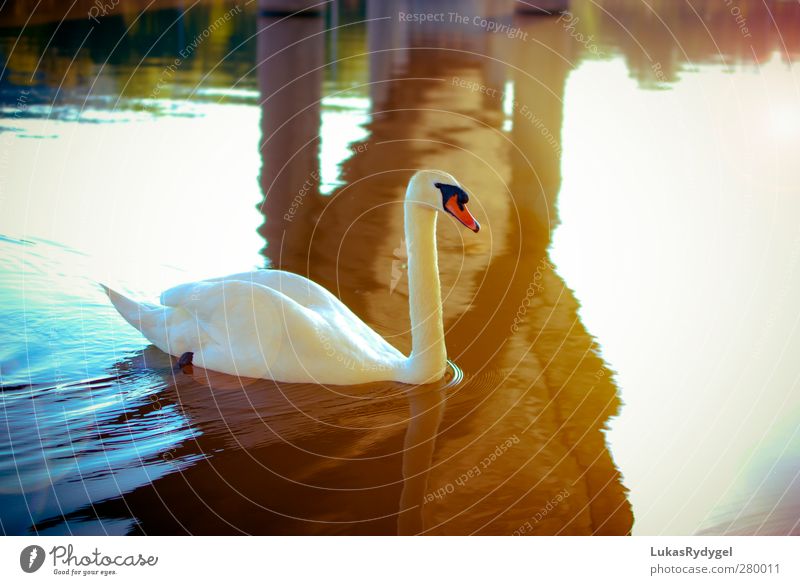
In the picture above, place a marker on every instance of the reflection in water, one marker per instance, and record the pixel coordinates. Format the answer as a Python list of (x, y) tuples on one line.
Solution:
[(425, 414), (679, 236), (513, 440), (290, 68)]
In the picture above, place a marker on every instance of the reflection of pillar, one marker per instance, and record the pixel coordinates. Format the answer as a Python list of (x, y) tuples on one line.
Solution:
[(290, 53), (543, 61), (387, 43)]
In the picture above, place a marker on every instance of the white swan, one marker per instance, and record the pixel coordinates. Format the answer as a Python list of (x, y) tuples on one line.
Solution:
[(281, 326)]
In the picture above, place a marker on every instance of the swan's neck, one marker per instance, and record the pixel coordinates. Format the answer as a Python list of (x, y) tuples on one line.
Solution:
[(428, 358)]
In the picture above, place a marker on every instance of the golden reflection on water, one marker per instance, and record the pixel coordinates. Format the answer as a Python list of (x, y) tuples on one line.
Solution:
[(541, 132), (679, 236)]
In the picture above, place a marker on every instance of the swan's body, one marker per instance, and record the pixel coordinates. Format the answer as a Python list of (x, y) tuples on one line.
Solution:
[(279, 325), (265, 324)]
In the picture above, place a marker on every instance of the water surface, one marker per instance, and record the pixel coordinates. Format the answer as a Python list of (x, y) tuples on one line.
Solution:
[(638, 200)]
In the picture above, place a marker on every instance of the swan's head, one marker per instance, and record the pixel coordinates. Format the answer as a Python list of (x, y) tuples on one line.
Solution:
[(441, 192)]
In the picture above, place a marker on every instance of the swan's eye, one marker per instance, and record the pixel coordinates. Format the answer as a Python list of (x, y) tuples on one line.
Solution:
[(450, 191)]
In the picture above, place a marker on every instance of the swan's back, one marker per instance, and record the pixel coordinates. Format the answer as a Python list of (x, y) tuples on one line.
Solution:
[(264, 324)]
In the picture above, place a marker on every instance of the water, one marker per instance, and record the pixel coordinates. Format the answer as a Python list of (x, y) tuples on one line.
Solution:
[(621, 332)]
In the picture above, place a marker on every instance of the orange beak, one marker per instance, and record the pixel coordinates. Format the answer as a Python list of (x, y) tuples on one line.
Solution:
[(462, 214)]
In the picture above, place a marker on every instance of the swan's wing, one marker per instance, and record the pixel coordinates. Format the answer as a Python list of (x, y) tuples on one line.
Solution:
[(307, 294), (300, 289), (338, 315), (241, 327)]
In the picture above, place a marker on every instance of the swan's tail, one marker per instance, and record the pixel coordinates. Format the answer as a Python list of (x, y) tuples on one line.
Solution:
[(148, 318)]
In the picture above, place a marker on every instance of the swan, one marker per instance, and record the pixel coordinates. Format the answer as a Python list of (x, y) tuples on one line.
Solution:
[(282, 326)]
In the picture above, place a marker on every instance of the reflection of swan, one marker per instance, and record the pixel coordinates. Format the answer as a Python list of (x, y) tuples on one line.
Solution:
[(425, 414), (278, 325)]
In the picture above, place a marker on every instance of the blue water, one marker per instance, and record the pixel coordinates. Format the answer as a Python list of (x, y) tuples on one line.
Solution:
[(79, 421)]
